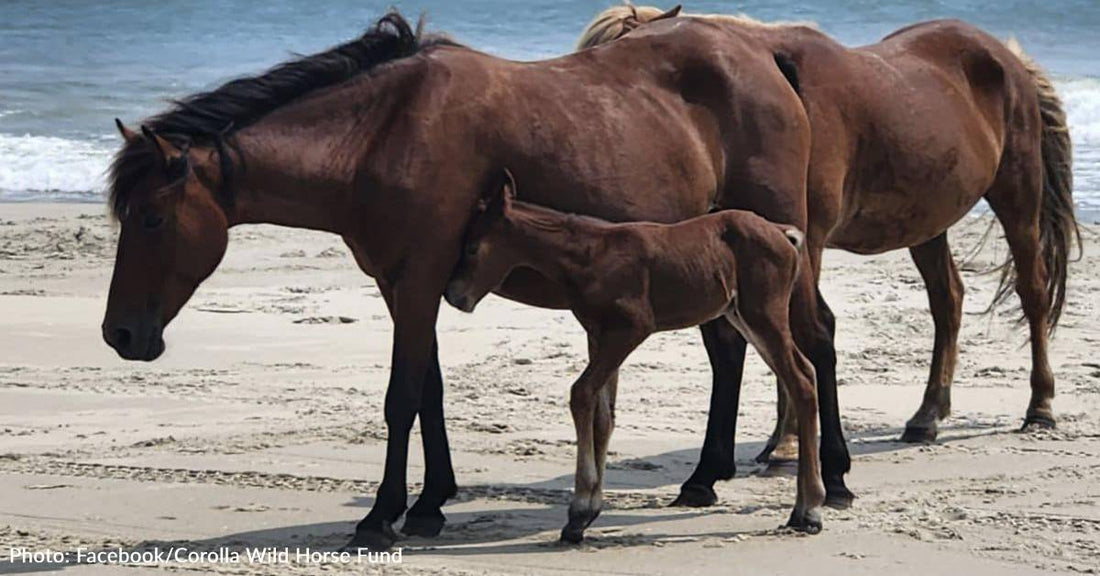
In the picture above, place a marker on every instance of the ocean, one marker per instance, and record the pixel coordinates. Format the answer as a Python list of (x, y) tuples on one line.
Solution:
[(69, 67)]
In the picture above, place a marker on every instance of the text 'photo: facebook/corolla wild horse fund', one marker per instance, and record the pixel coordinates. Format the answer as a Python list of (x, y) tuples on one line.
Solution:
[(483, 287)]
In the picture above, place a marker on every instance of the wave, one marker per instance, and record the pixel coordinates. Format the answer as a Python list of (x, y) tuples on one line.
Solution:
[(1081, 97), (47, 166)]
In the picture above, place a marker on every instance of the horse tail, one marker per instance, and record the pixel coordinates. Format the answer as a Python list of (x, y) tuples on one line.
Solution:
[(615, 22), (1058, 228)]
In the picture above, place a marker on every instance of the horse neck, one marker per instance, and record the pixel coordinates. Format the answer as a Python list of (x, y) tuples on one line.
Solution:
[(297, 167), (555, 244)]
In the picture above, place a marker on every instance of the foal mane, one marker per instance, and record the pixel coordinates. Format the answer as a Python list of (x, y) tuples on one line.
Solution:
[(211, 118)]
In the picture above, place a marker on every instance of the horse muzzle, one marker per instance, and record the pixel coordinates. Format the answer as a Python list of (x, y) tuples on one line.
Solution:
[(135, 341), (456, 296)]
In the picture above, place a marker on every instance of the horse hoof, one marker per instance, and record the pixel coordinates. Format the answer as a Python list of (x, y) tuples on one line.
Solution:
[(374, 540), (919, 435), (695, 496), (808, 522), (1037, 421), (572, 535), (579, 520), (427, 526), (781, 468), (839, 498)]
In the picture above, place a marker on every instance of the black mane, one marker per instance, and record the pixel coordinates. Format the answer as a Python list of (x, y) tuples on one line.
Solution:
[(209, 118)]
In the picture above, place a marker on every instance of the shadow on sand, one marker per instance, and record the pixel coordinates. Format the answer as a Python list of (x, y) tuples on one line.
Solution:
[(498, 531)]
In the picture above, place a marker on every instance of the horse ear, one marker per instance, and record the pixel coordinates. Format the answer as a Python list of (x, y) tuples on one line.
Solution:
[(674, 12), (127, 134), (169, 152)]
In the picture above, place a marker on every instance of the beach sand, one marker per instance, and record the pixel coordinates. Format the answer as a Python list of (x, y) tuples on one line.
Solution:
[(262, 424)]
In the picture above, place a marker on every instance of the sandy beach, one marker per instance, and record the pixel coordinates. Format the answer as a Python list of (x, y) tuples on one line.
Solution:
[(262, 424)]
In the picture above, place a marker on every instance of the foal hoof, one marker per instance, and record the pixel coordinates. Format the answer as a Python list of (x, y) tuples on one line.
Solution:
[(695, 496), (919, 435), (374, 540), (426, 526), (1038, 421), (573, 533), (808, 521)]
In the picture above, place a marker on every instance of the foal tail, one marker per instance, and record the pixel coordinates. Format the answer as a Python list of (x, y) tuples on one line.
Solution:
[(1058, 229)]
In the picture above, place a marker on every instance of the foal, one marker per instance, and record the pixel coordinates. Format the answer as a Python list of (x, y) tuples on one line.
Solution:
[(627, 281)]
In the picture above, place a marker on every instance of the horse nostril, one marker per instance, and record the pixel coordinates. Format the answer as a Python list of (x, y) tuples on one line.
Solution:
[(120, 338)]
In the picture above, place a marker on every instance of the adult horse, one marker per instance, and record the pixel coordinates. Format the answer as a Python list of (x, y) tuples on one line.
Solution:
[(907, 135), (391, 139)]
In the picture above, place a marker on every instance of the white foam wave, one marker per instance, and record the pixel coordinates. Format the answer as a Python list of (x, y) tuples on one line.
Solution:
[(1081, 97), (46, 164)]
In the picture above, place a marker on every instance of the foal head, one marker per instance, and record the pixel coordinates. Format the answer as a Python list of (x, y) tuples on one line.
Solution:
[(488, 255), (174, 234)]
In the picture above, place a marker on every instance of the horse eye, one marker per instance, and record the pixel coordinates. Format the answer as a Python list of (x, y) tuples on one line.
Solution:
[(471, 249), (152, 221)]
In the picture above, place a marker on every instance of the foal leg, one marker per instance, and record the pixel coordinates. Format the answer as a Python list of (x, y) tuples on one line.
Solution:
[(1018, 212), (814, 329), (726, 350), (945, 298), (602, 426), (610, 351), (767, 325)]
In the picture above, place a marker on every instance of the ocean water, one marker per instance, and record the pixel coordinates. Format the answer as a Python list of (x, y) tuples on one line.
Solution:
[(69, 67)]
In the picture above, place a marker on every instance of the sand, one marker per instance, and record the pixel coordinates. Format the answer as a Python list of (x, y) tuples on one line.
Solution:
[(262, 425)]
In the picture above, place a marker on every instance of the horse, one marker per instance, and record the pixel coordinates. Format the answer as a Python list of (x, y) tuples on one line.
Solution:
[(627, 281), (907, 135), (389, 141)]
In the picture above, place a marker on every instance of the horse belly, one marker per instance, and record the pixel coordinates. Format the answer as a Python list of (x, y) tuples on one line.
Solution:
[(913, 191)]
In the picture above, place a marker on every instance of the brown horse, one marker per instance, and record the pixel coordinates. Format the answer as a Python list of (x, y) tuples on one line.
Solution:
[(624, 282), (389, 141), (907, 135)]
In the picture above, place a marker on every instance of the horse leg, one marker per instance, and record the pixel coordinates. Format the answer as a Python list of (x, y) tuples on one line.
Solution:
[(609, 352), (414, 311), (726, 350), (814, 329), (1018, 209), (767, 324), (782, 447), (603, 426), (945, 298), (425, 518)]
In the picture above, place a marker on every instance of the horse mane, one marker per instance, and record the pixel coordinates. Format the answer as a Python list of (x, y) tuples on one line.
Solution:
[(211, 118), (617, 21)]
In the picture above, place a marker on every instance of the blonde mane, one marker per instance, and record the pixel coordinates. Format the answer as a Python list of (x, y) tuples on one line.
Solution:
[(617, 21)]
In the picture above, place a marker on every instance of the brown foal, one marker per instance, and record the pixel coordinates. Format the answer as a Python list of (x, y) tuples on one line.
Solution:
[(627, 281)]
